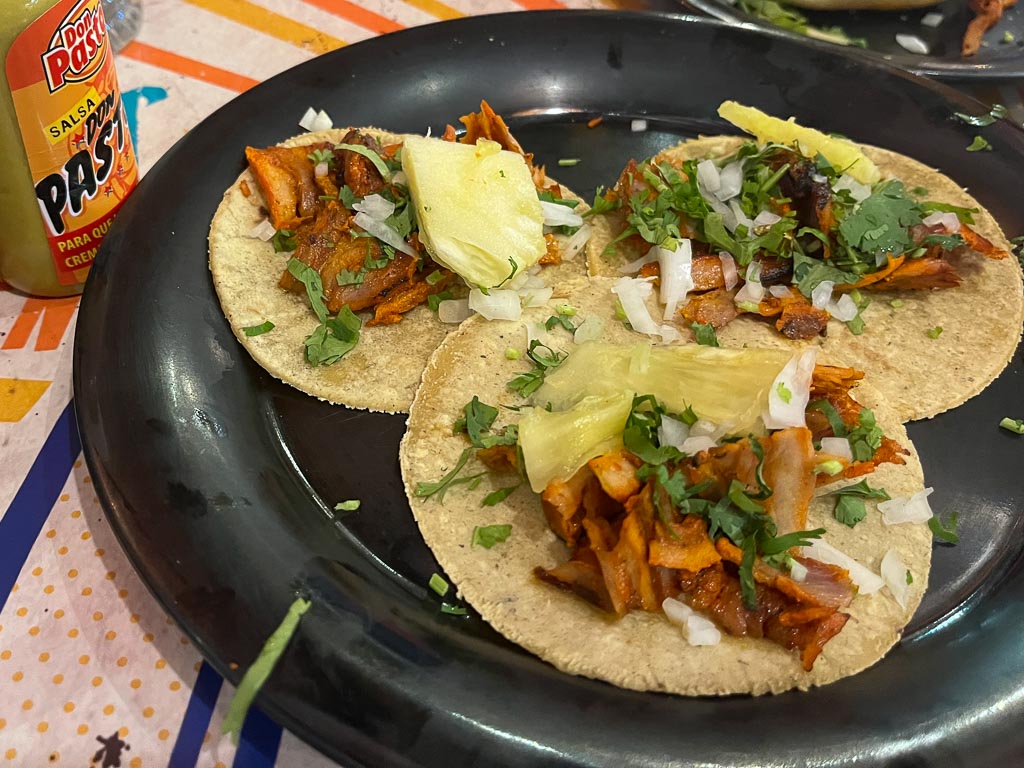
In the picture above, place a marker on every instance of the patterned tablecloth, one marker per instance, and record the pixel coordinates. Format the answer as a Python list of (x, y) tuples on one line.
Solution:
[(92, 672)]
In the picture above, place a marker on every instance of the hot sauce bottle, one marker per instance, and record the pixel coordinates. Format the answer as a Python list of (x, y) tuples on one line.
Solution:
[(66, 158)]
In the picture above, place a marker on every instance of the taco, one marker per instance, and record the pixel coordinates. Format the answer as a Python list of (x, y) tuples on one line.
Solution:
[(320, 257), (801, 239), (561, 562)]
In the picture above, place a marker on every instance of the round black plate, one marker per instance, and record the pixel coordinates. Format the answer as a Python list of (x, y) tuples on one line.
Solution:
[(220, 482), (996, 60)]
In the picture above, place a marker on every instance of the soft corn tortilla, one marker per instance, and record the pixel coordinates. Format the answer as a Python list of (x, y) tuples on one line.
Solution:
[(918, 376), (642, 651), (381, 373)]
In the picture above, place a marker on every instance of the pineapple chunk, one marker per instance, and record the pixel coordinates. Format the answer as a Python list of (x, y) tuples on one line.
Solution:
[(476, 206), (843, 154)]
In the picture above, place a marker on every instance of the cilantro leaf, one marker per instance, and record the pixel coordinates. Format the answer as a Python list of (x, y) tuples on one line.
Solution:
[(258, 330), (445, 484), (348, 197), (434, 300), (487, 536), (705, 333), (284, 241), (834, 419), (850, 510), (866, 437), (348, 277), (863, 490), (561, 320), (334, 338), (941, 531), (934, 333), (529, 382), (879, 225), (979, 144), (310, 278), (602, 204), (476, 420)]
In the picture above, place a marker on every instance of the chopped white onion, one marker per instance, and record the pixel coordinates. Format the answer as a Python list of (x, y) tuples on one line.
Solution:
[(729, 271), (858, 191), (453, 310), (795, 378), (556, 215), (636, 126), (797, 571), (728, 217), (632, 293), (316, 121), (320, 170), (669, 333), (384, 233), (575, 243), (821, 295), (947, 219), (375, 206), (914, 509), (740, 217), (591, 329), (843, 309), (752, 289), (766, 219), (894, 572), (731, 181), (534, 297), (496, 305), (676, 275), (676, 612), (867, 581), (780, 291), (307, 119), (672, 432), (263, 231), (699, 630), (932, 20), (399, 177), (634, 266), (706, 428), (912, 43), (708, 176), (695, 444), (837, 446)]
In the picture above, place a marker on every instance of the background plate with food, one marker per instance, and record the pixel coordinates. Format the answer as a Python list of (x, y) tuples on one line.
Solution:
[(221, 482)]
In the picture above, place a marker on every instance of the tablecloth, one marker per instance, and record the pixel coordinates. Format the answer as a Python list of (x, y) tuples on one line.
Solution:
[(92, 672)]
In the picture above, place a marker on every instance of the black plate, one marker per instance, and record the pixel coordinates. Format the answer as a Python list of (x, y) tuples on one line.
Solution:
[(219, 481), (996, 60)]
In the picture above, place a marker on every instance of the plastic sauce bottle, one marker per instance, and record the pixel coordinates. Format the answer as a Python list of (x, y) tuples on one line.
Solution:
[(66, 158)]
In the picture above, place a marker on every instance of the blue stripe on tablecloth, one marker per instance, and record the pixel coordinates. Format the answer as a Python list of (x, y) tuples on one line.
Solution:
[(197, 718), (261, 737), (20, 525)]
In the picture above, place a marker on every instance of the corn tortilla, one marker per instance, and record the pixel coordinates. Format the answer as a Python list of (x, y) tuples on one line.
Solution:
[(642, 651), (381, 373), (919, 376)]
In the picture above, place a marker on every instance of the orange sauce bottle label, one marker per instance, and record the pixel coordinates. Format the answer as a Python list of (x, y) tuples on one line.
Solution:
[(61, 74)]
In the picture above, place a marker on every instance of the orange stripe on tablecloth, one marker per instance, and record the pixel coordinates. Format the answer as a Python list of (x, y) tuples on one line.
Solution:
[(358, 15), (541, 5), (269, 23), (434, 8), (53, 317), (197, 70)]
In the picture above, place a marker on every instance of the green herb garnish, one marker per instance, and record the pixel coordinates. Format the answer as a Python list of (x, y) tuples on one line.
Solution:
[(934, 333), (1013, 425), (997, 112), (284, 241), (347, 506), (487, 536), (705, 333), (944, 531), (369, 154), (979, 144), (257, 330)]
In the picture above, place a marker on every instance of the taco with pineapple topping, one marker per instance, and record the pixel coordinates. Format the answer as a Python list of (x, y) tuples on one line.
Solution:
[(341, 258), (798, 238), (680, 518)]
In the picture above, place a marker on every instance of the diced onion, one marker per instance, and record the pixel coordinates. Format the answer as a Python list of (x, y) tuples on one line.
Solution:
[(766, 219), (708, 176), (384, 233), (867, 581), (575, 243), (822, 294), (731, 181), (453, 310), (912, 43), (399, 177), (728, 217), (729, 271), (843, 309), (556, 215), (263, 231), (495, 305), (739, 216), (677, 612), (316, 121), (632, 293), (676, 273), (858, 191), (837, 446), (694, 445), (914, 509), (375, 206), (707, 428), (637, 126), (796, 378), (672, 432), (634, 266), (320, 170), (534, 297), (798, 571), (932, 20), (894, 572), (752, 289), (591, 329), (307, 119), (699, 630), (780, 291), (947, 219)]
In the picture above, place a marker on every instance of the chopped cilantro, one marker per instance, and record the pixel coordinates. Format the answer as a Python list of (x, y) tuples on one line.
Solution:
[(602, 204), (941, 531), (477, 419), (544, 358), (879, 225), (1013, 425), (435, 299), (348, 277), (310, 278), (705, 333), (640, 435), (369, 154), (445, 484), (496, 497), (334, 338), (934, 333), (318, 156), (347, 506), (834, 419), (487, 536), (997, 112), (348, 197), (783, 392), (850, 510), (257, 330), (561, 320), (979, 144), (866, 437), (511, 353), (284, 241), (910, 577), (966, 215), (547, 197), (438, 584)]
